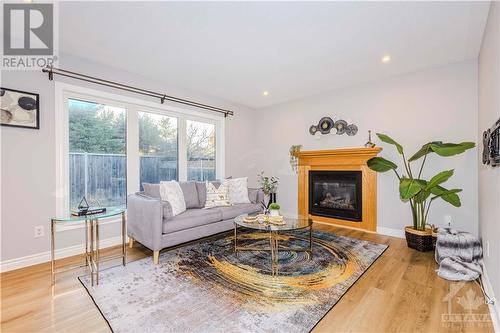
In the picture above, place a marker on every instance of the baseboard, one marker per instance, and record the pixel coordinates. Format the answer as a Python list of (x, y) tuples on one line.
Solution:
[(39, 258), (495, 307), (391, 232)]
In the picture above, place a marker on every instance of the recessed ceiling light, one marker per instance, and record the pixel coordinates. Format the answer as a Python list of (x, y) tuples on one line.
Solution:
[(265, 93), (386, 59)]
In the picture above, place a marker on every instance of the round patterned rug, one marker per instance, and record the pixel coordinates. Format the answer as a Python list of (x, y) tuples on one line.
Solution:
[(205, 286)]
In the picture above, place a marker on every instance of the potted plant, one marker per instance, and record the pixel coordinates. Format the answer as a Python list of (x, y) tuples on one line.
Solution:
[(269, 186), (418, 192), (274, 209)]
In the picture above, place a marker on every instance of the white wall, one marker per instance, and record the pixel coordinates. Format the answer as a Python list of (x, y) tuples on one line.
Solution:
[(436, 104), (28, 157), (27, 171), (489, 178)]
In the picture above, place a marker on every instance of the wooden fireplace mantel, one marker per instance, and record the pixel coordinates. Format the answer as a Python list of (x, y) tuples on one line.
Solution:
[(344, 159)]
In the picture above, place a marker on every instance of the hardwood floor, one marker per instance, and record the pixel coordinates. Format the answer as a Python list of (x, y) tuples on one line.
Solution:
[(399, 293)]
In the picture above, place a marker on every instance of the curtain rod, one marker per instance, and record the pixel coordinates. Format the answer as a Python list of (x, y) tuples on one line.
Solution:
[(163, 97)]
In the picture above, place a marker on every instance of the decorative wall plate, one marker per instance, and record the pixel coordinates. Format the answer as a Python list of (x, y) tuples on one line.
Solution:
[(351, 130), (341, 126), (325, 125), (313, 129)]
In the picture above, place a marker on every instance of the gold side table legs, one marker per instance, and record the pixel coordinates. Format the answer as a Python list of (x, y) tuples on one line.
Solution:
[(96, 251), (273, 238), (273, 247), (92, 245), (124, 236)]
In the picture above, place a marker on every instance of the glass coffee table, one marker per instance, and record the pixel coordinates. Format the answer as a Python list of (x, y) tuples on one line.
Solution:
[(274, 230)]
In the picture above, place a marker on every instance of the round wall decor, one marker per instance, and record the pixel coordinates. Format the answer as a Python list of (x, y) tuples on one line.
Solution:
[(327, 125)]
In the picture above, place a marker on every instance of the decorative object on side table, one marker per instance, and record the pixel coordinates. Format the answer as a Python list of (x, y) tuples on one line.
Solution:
[(294, 161), (274, 209), (418, 192), (369, 144), (269, 186), (326, 125), (19, 109), (85, 209), (491, 145)]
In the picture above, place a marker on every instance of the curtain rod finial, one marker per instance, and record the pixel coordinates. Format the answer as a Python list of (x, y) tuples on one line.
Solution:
[(48, 69)]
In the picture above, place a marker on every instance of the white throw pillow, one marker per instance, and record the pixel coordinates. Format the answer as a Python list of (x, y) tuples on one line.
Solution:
[(238, 190), (217, 197), (171, 191)]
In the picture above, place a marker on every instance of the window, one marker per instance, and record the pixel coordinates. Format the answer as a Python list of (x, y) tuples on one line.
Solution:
[(200, 150), (157, 148), (97, 153), (108, 145)]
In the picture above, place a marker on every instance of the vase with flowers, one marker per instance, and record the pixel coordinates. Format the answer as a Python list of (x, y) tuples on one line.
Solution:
[(269, 186)]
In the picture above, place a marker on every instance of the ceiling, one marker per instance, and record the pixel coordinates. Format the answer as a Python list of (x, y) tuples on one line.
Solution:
[(237, 50)]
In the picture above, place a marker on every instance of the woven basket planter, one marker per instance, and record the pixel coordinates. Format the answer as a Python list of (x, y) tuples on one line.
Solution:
[(420, 240)]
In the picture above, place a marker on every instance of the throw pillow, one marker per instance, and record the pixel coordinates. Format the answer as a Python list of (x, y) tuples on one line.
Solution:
[(201, 187), (217, 197), (151, 190), (190, 194), (238, 190), (252, 194), (171, 191)]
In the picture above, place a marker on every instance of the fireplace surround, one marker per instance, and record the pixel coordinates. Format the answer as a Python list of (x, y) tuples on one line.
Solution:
[(337, 187)]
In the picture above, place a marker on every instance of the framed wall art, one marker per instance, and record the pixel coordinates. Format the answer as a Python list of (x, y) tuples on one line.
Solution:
[(19, 108)]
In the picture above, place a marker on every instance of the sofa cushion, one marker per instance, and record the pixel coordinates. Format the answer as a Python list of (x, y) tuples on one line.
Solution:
[(233, 211), (201, 187), (167, 210), (190, 219), (190, 194), (151, 190)]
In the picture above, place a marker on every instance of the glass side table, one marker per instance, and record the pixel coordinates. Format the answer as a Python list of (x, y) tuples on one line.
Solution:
[(92, 258)]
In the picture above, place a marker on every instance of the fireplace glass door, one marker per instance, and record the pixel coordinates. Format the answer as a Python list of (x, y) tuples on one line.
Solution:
[(336, 194)]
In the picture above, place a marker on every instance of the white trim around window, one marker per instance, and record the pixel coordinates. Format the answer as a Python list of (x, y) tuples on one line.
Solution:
[(64, 91)]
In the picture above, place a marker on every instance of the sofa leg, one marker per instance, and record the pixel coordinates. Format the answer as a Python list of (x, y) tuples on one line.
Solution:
[(130, 242), (156, 257)]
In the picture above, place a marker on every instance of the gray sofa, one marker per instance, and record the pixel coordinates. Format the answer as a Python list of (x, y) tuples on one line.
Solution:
[(150, 220)]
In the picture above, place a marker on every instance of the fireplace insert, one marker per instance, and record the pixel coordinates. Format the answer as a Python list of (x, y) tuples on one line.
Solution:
[(336, 194)]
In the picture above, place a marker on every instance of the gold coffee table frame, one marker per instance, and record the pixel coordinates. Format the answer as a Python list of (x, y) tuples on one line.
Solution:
[(92, 257), (274, 230)]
